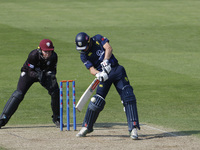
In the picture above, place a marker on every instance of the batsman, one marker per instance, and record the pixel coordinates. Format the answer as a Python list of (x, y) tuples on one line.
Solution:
[(96, 54), (40, 66)]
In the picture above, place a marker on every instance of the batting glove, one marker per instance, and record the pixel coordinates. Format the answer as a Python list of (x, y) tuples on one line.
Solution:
[(102, 76), (106, 66)]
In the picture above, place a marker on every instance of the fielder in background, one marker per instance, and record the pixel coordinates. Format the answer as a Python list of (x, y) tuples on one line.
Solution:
[(40, 66), (96, 54)]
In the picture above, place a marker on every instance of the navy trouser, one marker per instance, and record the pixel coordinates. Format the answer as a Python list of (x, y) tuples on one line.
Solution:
[(120, 80), (118, 77)]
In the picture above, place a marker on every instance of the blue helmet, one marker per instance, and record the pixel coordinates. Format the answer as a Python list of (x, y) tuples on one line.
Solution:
[(82, 41)]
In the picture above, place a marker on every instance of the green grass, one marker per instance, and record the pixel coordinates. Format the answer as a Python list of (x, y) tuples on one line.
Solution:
[(157, 41), (2, 148)]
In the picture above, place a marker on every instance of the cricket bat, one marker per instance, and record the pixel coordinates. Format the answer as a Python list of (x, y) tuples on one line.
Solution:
[(87, 94)]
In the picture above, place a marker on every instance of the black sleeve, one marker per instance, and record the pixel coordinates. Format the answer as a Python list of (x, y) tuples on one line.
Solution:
[(53, 65), (31, 63)]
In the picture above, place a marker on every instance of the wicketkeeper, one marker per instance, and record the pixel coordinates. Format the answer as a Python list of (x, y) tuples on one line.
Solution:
[(96, 54), (40, 66)]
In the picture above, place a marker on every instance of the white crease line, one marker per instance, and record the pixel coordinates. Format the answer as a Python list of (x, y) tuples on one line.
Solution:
[(161, 130), (17, 136)]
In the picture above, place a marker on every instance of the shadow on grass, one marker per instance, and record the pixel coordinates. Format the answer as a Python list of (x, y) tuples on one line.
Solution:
[(27, 126)]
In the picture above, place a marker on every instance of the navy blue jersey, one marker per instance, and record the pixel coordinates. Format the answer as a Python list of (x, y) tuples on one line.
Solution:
[(96, 53)]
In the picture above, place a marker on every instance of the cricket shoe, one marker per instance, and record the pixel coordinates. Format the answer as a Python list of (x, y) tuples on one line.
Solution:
[(83, 132), (134, 134), (2, 123), (57, 123)]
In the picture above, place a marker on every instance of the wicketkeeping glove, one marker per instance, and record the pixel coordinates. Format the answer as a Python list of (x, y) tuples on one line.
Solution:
[(51, 74), (41, 77), (106, 66), (102, 76)]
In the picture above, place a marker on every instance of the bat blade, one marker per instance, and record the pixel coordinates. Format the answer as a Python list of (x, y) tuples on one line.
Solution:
[(87, 94)]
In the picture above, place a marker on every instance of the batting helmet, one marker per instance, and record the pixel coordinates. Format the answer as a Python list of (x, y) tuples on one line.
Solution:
[(46, 45), (82, 41)]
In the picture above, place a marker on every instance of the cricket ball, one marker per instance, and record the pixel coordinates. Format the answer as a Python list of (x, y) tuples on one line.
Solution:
[(93, 99)]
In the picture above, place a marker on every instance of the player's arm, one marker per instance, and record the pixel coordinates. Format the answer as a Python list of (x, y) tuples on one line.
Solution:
[(101, 76), (31, 63), (108, 51), (106, 66), (89, 65), (52, 69), (93, 71)]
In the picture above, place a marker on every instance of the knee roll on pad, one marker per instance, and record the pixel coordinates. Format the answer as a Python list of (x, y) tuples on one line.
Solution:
[(97, 103), (18, 95), (55, 105), (55, 93), (14, 101), (11, 106), (127, 94)]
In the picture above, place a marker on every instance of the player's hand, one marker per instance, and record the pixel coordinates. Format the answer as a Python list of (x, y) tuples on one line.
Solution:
[(106, 66), (102, 76), (51, 74), (41, 77)]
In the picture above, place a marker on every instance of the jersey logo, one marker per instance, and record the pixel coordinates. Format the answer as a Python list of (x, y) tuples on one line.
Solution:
[(99, 52), (31, 66), (97, 42), (48, 63), (23, 74), (103, 38), (48, 44), (126, 78), (90, 53), (79, 43)]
